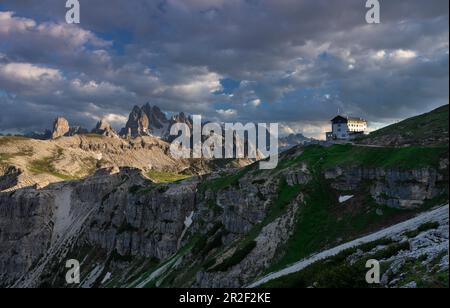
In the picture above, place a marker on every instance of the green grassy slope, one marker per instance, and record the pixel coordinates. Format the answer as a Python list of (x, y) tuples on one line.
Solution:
[(323, 158), (426, 129)]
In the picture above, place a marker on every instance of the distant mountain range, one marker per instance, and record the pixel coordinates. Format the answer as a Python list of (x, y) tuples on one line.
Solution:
[(146, 120), (292, 140)]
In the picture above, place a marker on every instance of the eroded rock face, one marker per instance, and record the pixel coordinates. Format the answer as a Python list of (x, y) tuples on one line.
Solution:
[(117, 220), (119, 214), (301, 176), (138, 123), (392, 187), (60, 128), (139, 224), (9, 176), (104, 128), (150, 120), (157, 119), (271, 238), (25, 232), (41, 228)]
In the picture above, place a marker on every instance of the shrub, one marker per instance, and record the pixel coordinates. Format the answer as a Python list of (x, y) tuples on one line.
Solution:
[(422, 228)]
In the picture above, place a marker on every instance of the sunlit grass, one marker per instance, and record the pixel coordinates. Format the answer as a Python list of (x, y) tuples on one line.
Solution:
[(165, 177)]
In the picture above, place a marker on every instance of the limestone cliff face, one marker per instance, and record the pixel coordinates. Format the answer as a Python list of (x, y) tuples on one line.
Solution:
[(393, 187), (219, 230), (9, 176), (141, 224), (123, 215), (25, 232), (60, 128)]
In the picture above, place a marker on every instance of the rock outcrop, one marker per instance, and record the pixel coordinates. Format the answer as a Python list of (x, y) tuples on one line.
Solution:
[(157, 120), (104, 128), (222, 230), (150, 120), (60, 128), (392, 187), (137, 125), (9, 176), (77, 130)]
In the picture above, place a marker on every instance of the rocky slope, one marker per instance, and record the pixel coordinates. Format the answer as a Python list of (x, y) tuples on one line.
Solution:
[(26, 162), (134, 227), (412, 254), (221, 230)]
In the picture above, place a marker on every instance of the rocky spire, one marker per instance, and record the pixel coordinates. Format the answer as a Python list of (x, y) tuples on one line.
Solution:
[(181, 118), (156, 117), (105, 129), (60, 128), (138, 123), (150, 120)]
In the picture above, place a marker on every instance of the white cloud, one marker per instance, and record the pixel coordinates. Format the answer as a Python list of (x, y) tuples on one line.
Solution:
[(205, 83), (10, 24), (315, 130), (380, 55), (227, 112), (115, 119), (73, 36), (256, 102), (23, 72), (94, 87), (286, 130), (68, 36), (402, 54)]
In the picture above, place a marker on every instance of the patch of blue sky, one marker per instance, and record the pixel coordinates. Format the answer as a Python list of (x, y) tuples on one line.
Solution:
[(228, 86)]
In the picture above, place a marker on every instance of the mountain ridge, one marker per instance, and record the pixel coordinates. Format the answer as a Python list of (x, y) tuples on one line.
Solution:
[(222, 228)]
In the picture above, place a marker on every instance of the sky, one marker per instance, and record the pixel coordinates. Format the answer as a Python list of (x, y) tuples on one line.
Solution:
[(295, 62)]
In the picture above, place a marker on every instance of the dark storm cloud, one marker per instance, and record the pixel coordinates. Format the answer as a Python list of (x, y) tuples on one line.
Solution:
[(299, 61)]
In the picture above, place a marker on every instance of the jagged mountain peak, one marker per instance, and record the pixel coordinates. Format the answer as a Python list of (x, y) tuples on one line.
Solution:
[(137, 124), (104, 128), (151, 120)]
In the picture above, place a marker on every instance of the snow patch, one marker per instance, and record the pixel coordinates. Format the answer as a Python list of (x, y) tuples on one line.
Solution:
[(106, 278), (343, 199), (188, 221)]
